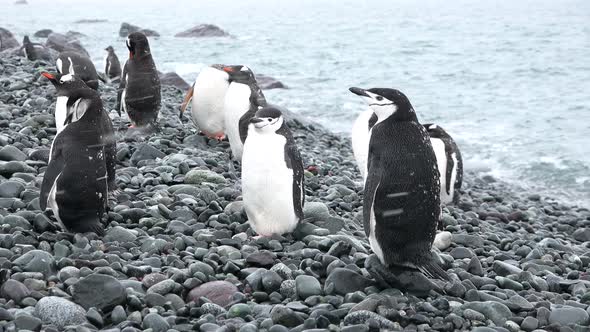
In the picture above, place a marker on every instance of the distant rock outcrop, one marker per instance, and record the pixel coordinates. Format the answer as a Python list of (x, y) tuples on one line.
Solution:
[(203, 30), (173, 79), (62, 43), (21, 2), (7, 40), (90, 20), (127, 28), (44, 33), (71, 35), (267, 83)]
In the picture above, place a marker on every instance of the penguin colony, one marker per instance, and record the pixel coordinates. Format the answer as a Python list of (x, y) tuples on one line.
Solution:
[(408, 169)]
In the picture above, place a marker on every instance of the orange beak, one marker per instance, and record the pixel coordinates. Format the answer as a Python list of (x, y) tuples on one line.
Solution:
[(48, 75)]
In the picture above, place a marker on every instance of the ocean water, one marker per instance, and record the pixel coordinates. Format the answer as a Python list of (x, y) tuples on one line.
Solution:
[(508, 79)]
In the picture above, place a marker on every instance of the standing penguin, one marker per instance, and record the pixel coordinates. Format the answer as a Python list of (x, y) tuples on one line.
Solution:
[(139, 92), (81, 162), (207, 94), (449, 161), (112, 66), (272, 175), (242, 100), (401, 207), (77, 64), (360, 139)]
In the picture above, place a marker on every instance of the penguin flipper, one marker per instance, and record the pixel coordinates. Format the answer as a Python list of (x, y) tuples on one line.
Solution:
[(56, 164), (187, 99)]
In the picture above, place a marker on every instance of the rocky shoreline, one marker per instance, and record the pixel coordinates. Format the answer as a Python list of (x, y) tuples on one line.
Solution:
[(178, 254)]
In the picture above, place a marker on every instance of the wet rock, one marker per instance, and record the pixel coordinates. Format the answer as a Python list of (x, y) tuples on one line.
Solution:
[(62, 43), (307, 286), (14, 290), (7, 40), (268, 83), (9, 153), (43, 33), (146, 152), (343, 281), (37, 261), (218, 292), (98, 290), (199, 176), (203, 30), (569, 315), (127, 29), (494, 311), (173, 79)]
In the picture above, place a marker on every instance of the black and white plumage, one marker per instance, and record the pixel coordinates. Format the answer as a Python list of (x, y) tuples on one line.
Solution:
[(79, 65), (139, 92), (112, 66), (208, 96), (449, 161), (35, 51), (242, 99), (401, 207), (360, 139), (81, 166), (272, 175)]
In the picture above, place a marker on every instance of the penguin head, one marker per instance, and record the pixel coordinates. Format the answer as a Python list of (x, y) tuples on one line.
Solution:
[(26, 40), (109, 49), (138, 45), (387, 102), (240, 74), (80, 97), (68, 81), (267, 120)]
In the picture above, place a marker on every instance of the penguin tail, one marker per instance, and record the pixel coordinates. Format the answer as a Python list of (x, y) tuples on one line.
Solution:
[(432, 270), (187, 98)]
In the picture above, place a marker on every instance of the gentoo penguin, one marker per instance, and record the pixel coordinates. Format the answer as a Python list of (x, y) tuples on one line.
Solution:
[(112, 66), (401, 206), (360, 139), (81, 162), (242, 100), (272, 175), (139, 92), (77, 64), (35, 51), (449, 161), (207, 94)]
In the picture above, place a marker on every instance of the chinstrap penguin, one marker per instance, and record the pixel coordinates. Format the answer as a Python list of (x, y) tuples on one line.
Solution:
[(272, 175), (81, 163), (450, 163), (207, 95), (112, 66), (77, 64), (242, 99), (401, 206), (139, 92)]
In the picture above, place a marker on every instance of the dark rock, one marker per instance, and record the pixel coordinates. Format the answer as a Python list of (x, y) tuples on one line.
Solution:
[(37, 261), (529, 324), (285, 316), (203, 30), (582, 234), (569, 315), (7, 40), (61, 43), (268, 83), (262, 258), (173, 79), (43, 33), (26, 322), (14, 290), (363, 317), (155, 322), (127, 29), (494, 311), (505, 269), (98, 290), (146, 152), (90, 20), (343, 281), (218, 292), (11, 189), (59, 312), (307, 286), (9, 153)]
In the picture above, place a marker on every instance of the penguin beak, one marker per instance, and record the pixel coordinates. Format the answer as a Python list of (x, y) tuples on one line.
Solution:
[(359, 92), (229, 70), (256, 120), (50, 77)]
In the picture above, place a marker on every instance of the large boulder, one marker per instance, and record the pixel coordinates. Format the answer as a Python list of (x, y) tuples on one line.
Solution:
[(267, 82), (7, 40), (203, 30), (127, 28), (62, 43), (43, 33), (173, 79)]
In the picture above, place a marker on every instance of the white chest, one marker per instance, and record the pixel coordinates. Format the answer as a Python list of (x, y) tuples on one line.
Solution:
[(61, 112), (237, 102), (360, 141), (208, 102), (441, 161)]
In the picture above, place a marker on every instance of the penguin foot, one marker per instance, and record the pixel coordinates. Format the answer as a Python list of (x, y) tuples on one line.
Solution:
[(399, 277)]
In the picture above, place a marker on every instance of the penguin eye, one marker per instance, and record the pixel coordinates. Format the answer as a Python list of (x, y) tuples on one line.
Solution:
[(379, 98), (269, 119)]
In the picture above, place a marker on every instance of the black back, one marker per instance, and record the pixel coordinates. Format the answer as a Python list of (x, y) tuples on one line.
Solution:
[(112, 66), (82, 165), (372, 120), (402, 189), (30, 49), (450, 148), (141, 83), (82, 66), (257, 99)]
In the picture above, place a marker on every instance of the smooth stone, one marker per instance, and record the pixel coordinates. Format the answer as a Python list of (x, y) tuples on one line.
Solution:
[(495, 311), (155, 322), (9, 153), (98, 290), (218, 292), (569, 315), (345, 281), (14, 290), (199, 176), (307, 286), (37, 261), (59, 312), (442, 240)]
